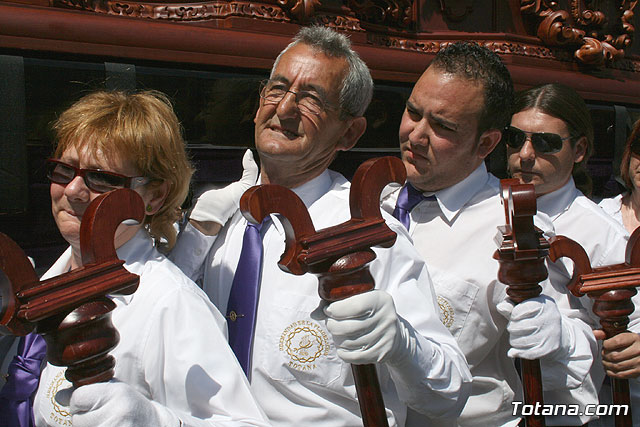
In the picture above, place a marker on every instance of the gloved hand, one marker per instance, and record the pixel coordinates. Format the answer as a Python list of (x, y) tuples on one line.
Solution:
[(116, 403), (365, 328), (215, 207), (536, 328)]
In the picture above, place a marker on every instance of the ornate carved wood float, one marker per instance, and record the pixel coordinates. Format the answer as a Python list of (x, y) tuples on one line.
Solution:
[(586, 44)]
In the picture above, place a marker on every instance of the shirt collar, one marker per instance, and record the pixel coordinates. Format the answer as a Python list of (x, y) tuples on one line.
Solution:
[(309, 192), (452, 199), (557, 202), (136, 251)]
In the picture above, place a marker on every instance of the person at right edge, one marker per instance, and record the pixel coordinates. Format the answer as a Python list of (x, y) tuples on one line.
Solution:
[(548, 143)]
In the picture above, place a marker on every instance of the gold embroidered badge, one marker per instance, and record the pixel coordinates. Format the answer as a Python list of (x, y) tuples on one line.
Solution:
[(446, 311), (60, 415), (304, 342)]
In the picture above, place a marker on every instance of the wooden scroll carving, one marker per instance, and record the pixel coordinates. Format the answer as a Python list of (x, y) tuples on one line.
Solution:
[(392, 13), (71, 311), (583, 29), (611, 289), (521, 255), (338, 255)]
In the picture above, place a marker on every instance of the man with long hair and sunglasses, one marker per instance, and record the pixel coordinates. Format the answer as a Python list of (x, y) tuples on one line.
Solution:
[(451, 206), (548, 143), (295, 350)]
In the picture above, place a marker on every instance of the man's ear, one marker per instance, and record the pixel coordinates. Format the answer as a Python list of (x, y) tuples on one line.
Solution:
[(158, 192), (580, 149), (352, 134), (488, 141)]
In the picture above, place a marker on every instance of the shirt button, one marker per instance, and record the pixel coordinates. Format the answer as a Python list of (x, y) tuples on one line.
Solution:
[(198, 252), (233, 316)]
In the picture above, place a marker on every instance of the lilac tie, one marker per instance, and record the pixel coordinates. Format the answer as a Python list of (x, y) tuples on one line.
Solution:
[(408, 198), (243, 299), (24, 374)]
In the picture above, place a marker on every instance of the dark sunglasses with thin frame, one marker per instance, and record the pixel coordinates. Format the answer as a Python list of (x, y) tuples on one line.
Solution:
[(96, 180), (543, 142)]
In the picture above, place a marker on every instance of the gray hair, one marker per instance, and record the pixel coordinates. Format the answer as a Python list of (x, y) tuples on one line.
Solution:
[(357, 86)]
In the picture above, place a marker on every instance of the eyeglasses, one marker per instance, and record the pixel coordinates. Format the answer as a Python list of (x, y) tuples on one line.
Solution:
[(543, 142), (97, 180), (273, 91)]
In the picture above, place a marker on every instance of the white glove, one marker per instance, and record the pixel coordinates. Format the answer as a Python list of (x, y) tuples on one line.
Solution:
[(366, 328), (536, 328), (116, 403), (219, 205)]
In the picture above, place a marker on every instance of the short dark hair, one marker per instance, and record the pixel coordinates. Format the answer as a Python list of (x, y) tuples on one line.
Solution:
[(561, 101), (479, 64)]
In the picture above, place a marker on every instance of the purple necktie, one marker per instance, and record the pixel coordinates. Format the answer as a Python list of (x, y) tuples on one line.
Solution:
[(16, 404), (408, 198), (243, 299)]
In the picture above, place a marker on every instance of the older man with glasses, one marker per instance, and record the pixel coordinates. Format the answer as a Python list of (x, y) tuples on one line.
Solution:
[(294, 349)]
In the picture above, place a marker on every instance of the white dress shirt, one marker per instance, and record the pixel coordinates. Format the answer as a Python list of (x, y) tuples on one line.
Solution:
[(172, 348), (317, 388), (613, 207), (577, 217), (455, 235)]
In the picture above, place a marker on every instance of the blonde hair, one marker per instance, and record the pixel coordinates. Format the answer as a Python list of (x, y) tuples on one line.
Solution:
[(140, 128)]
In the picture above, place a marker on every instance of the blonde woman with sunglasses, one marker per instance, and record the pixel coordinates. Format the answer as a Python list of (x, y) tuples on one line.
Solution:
[(173, 364)]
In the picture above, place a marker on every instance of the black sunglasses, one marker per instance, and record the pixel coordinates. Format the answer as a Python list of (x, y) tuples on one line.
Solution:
[(543, 142), (97, 180)]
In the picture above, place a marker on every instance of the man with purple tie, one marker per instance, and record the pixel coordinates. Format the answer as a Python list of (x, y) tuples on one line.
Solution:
[(296, 350), (451, 207)]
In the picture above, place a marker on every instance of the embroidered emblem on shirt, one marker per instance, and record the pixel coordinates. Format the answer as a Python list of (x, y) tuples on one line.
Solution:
[(446, 311), (304, 342), (59, 415)]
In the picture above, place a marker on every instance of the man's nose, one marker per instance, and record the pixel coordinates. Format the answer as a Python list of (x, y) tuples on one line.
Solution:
[(288, 105), (420, 133), (527, 152)]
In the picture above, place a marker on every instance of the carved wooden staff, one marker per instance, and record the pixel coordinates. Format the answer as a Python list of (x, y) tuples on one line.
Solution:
[(611, 289), (338, 255), (521, 256), (71, 311)]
